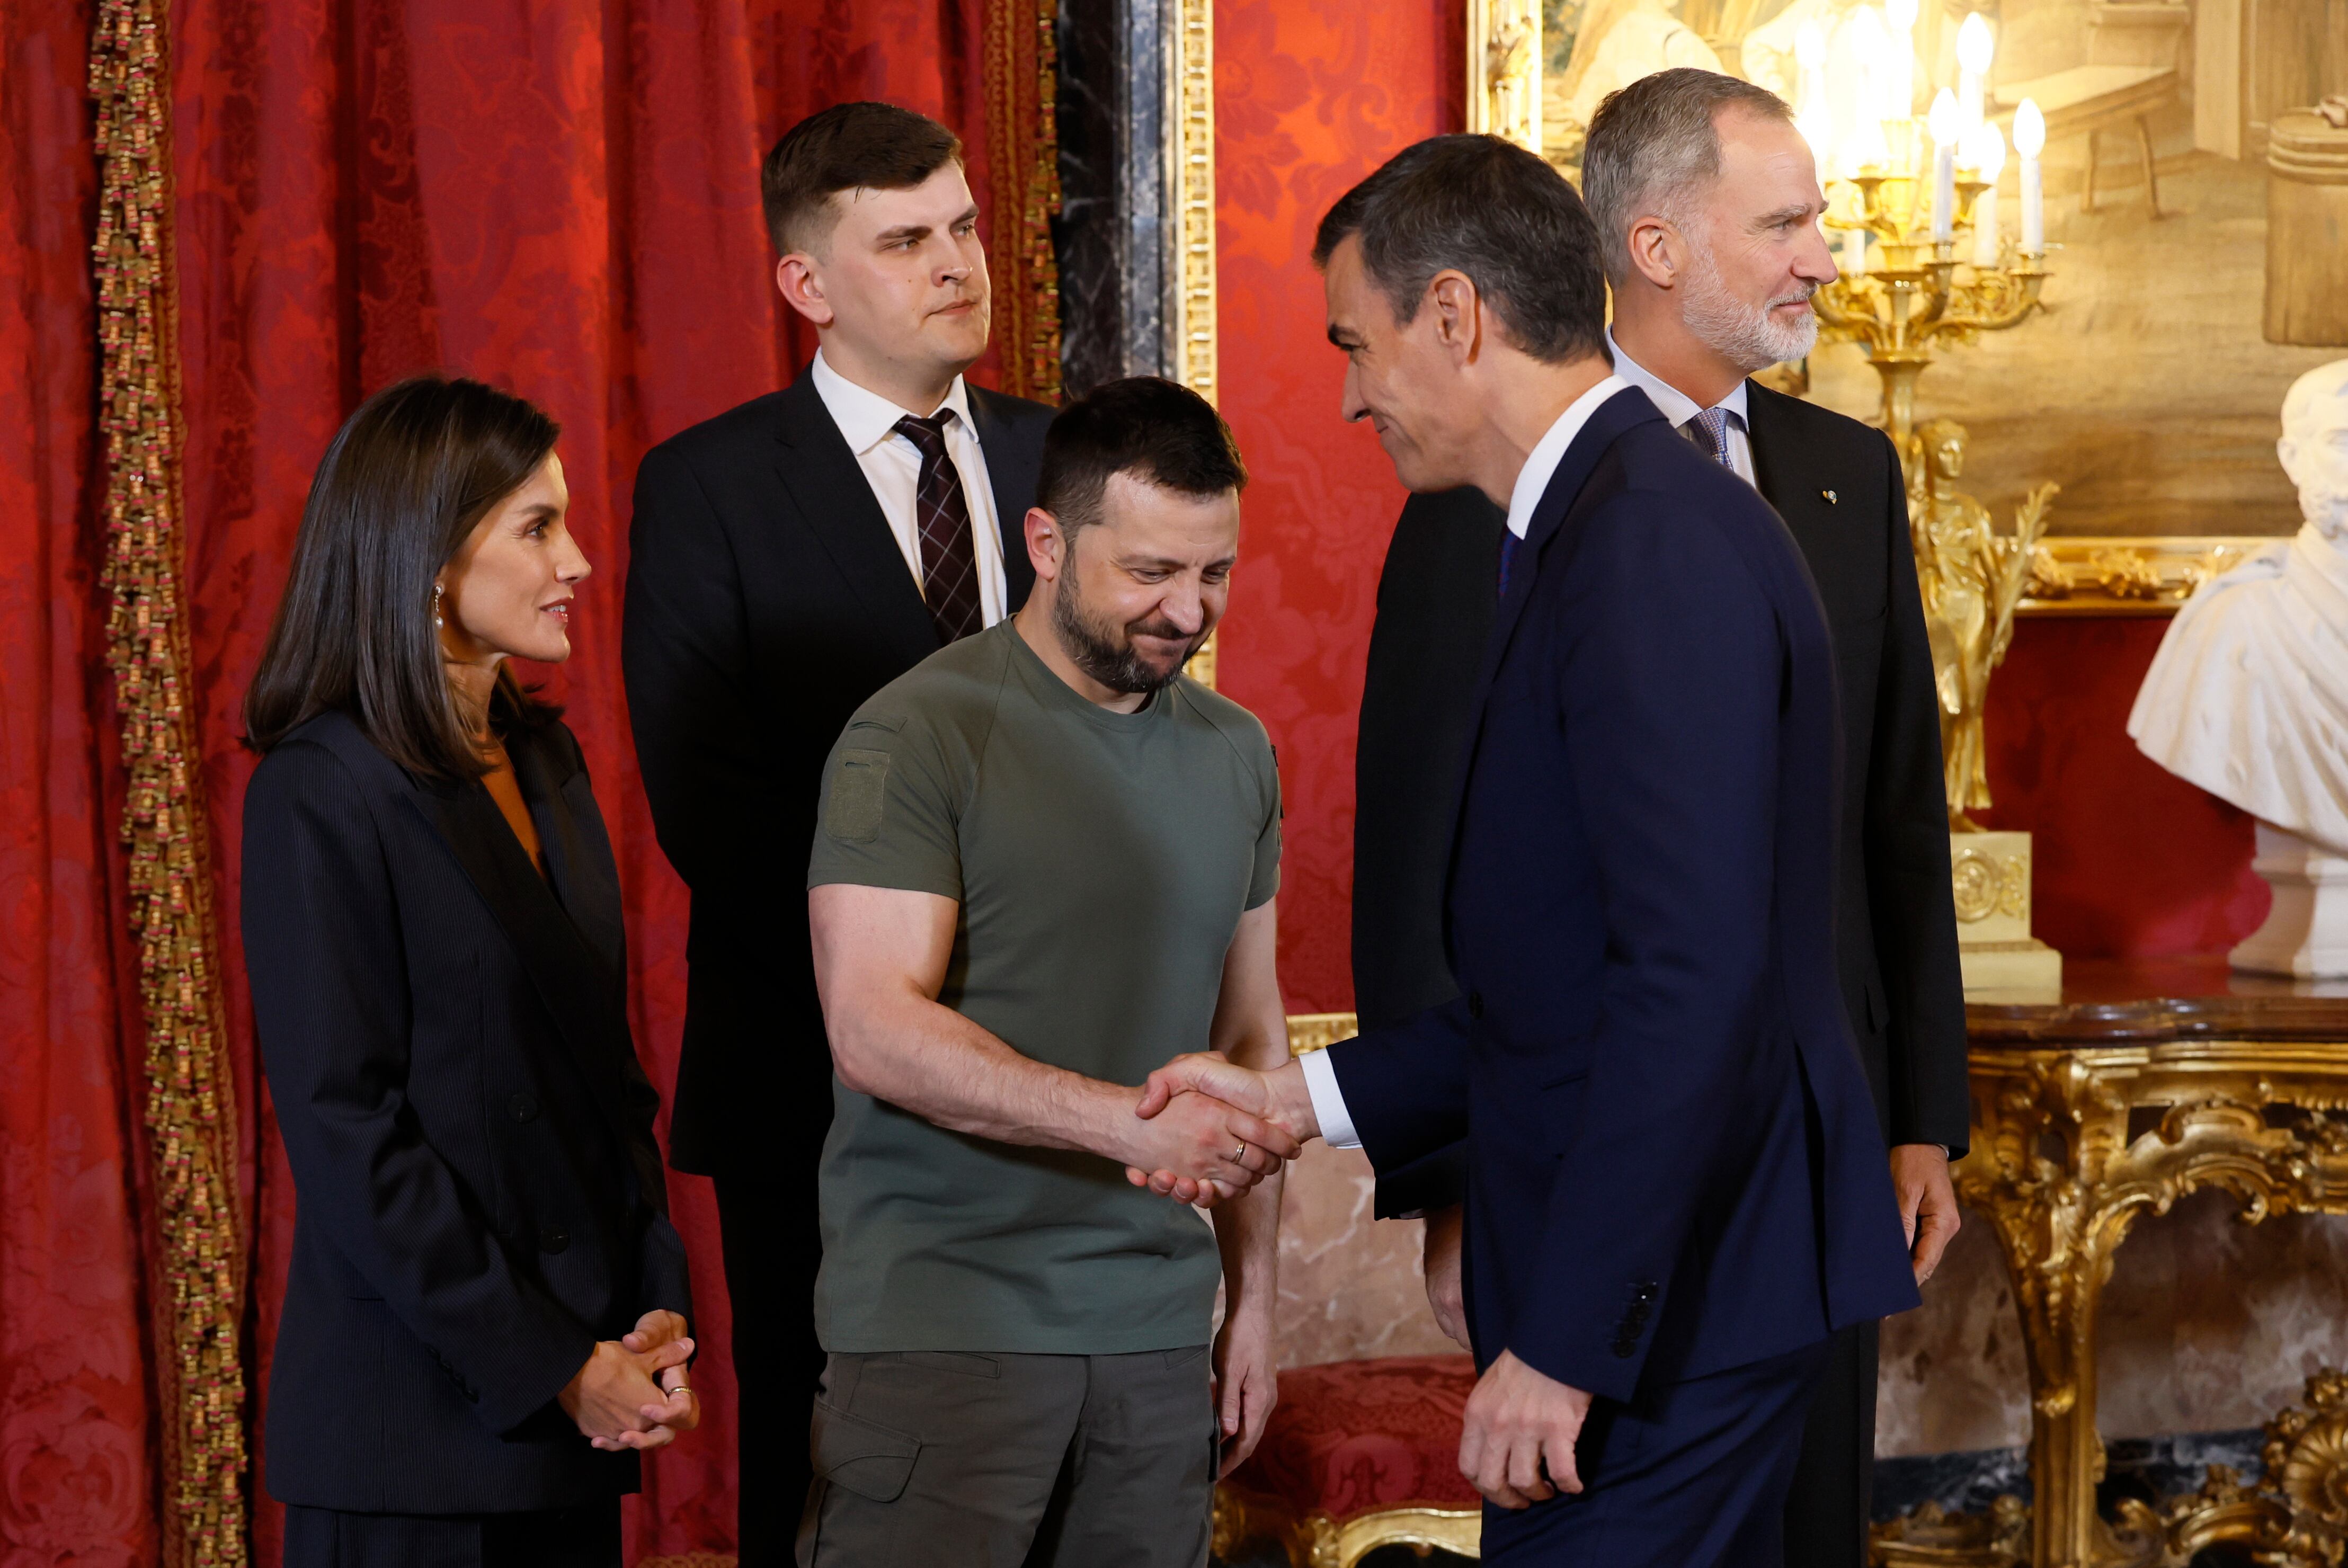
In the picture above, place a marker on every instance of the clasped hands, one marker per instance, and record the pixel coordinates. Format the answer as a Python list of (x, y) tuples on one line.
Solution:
[(1216, 1129), (632, 1393)]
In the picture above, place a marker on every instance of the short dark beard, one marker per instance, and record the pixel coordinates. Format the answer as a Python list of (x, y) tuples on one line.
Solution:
[(1107, 653)]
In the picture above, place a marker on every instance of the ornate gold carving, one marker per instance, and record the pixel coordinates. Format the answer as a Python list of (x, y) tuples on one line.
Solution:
[(1977, 882), (1912, 299), (2295, 1516), (2053, 1169), (191, 1108), (1316, 1031), (1990, 878), (1999, 1538), (2306, 1459), (1317, 1541), (1504, 76), (1190, 130), (1972, 578), (1022, 149), (2126, 576)]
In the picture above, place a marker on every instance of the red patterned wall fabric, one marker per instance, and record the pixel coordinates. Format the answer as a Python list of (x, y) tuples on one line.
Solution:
[(561, 198), (1309, 98), (2129, 860), (77, 1477)]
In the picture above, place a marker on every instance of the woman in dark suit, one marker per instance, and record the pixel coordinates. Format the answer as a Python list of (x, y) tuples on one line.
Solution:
[(486, 1314)]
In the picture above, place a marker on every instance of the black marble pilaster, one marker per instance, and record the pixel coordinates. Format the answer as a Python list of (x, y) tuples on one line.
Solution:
[(1113, 234)]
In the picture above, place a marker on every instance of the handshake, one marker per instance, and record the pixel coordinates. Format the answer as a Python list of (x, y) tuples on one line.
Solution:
[(1215, 1128)]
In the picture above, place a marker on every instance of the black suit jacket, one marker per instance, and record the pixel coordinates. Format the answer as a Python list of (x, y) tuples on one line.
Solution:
[(479, 1197), (1896, 955), (767, 599)]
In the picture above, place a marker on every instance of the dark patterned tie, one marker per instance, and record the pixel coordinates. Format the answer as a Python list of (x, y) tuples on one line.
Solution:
[(941, 517), (1708, 433)]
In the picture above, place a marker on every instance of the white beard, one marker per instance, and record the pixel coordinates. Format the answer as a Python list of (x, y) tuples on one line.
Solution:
[(1749, 338)]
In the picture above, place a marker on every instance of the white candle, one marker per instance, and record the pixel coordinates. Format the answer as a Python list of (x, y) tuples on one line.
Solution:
[(2030, 140), (1974, 49), (1810, 58), (1900, 72), (1854, 252), (1943, 122), (1989, 157), (1869, 148)]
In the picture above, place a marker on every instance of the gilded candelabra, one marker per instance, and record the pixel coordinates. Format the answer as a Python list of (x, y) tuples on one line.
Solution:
[(1910, 297), (1917, 293)]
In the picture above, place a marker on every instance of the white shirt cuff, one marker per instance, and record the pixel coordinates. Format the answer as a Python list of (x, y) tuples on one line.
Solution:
[(1328, 1101)]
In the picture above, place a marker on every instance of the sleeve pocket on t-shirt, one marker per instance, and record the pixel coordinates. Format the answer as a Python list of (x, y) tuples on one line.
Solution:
[(859, 796)]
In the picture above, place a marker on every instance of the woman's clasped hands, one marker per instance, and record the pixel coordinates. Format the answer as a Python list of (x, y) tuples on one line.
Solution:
[(632, 1393)]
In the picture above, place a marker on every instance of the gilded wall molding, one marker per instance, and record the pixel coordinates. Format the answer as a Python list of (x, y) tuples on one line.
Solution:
[(1190, 160), (1318, 1031), (2088, 575), (1190, 130), (196, 1258)]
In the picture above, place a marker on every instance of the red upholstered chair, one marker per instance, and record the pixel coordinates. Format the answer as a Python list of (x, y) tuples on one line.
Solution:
[(1359, 1455)]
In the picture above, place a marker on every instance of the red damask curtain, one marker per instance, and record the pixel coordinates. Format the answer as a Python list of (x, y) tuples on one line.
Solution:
[(78, 1473), (554, 195)]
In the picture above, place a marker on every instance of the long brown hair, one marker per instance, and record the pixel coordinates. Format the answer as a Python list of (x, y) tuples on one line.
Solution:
[(406, 479)]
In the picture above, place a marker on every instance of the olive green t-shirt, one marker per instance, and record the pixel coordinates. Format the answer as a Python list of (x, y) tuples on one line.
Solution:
[(1102, 862)]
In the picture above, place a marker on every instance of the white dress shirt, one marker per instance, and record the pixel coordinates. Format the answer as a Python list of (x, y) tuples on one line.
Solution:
[(892, 467), (1532, 480), (1679, 407)]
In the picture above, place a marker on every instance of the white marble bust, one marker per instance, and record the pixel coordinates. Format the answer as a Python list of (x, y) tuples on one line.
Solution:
[(2247, 696)]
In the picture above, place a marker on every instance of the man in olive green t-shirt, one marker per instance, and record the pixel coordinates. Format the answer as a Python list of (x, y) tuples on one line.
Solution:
[(1044, 867)]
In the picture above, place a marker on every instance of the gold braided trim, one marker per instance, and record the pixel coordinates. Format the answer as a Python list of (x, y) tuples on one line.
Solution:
[(1022, 150), (197, 1259)]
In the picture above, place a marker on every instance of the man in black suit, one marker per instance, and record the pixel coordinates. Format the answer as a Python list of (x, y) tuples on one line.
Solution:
[(788, 559), (1711, 277)]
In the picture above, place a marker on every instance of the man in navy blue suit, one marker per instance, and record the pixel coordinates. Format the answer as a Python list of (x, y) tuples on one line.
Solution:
[(1676, 1188)]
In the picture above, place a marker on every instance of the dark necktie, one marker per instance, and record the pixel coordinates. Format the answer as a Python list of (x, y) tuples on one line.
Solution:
[(1509, 544), (941, 517), (1708, 433)]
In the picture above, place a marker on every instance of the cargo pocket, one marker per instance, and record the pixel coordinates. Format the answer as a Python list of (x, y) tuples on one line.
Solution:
[(859, 1455)]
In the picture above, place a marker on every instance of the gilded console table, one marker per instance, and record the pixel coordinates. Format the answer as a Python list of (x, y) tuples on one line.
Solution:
[(2147, 1082)]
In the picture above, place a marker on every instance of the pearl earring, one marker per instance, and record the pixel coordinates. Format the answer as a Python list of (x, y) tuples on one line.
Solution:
[(436, 604)]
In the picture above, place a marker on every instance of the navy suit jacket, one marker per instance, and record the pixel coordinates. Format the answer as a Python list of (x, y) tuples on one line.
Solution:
[(1673, 1157), (478, 1195)]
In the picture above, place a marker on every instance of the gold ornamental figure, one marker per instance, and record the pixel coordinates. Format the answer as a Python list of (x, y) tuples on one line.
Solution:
[(1973, 578)]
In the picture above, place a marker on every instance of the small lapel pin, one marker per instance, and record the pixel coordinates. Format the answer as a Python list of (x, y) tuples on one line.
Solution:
[(1830, 497)]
